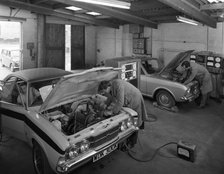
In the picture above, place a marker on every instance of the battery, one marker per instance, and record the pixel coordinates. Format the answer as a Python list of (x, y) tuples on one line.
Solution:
[(186, 150)]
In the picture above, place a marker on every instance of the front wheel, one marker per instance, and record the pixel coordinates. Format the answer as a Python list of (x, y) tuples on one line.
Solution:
[(165, 99), (40, 161)]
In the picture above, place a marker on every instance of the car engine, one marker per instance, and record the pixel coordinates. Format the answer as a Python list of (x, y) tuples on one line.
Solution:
[(76, 116)]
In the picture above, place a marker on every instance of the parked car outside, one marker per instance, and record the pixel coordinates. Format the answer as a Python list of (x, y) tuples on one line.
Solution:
[(164, 83), (11, 59), (63, 124)]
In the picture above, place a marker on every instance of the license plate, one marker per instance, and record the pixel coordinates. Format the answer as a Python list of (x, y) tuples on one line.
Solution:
[(104, 152)]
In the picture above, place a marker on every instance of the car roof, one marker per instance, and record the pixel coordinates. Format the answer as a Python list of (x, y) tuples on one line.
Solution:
[(37, 74)]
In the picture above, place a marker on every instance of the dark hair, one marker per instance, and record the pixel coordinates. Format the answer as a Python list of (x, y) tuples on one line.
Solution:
[(103, 85), (186, 64)]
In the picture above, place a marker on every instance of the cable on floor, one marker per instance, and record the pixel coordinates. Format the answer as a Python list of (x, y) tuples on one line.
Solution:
[(131, 153)]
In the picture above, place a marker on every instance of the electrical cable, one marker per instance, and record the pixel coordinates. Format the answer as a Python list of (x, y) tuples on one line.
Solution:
[(131, 153)]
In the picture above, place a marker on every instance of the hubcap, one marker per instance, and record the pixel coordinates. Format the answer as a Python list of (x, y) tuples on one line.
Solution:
[(164, 100)]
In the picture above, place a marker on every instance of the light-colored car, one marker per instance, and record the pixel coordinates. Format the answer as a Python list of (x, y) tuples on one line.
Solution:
[(164, 84), (11, 59), (61, 119)]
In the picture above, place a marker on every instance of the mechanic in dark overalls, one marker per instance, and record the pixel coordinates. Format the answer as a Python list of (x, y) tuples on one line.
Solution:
[(125, 94), (200, 73)]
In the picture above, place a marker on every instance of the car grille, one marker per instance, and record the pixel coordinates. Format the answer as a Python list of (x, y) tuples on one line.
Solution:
[(104, 137)]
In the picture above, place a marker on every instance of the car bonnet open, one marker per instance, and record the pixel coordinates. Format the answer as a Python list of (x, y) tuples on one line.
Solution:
[(76, 86)]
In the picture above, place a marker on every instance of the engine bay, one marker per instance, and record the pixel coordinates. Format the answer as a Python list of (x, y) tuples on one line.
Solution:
[(75, 116), (174, 76)]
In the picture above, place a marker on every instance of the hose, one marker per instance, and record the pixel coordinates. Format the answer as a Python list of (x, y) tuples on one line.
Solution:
[(131, 153)]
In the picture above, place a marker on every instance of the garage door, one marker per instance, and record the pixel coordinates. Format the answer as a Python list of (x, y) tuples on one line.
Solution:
[(55, 46), (77, 47)]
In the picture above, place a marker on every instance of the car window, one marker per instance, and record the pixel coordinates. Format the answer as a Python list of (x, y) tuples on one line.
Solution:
[(39, 91), (142, 71), (15, 53), (9, 91), (149, 67), (22, 88)]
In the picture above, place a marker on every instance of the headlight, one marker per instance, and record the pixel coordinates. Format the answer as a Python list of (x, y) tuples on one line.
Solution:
[(76, 149), (135, 121), (72, 152), (84, 146), (129, 122), (123, 126), (188, 90)]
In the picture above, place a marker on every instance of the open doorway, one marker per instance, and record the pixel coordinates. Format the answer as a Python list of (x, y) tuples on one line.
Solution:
[(68, 47), (74, 47), (10, 47)]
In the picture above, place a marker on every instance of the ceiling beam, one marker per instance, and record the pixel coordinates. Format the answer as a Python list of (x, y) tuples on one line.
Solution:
[(216, 6), (187, 9), (51, 12), (145, 4), (10, 18), (194, 3), (37, 1), (126, 16)]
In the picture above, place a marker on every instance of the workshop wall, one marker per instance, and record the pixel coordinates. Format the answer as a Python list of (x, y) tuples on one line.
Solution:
[(163, 43), (169, 39), (113, 42), (90, 46), (29, 28)]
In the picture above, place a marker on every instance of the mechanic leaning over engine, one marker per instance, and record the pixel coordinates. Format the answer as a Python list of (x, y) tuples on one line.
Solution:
[(122, 93), (200, 73)]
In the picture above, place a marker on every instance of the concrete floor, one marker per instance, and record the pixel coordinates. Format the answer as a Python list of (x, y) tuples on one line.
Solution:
[(202, 127)]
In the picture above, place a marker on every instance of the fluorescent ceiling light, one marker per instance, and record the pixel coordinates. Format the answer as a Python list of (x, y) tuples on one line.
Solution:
[(217, 1), (110, 3), (93, 13), (73, 8), (186, 20)]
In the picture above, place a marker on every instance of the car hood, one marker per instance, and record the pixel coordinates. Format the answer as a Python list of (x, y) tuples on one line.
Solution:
[(176, 61), (74, 87)]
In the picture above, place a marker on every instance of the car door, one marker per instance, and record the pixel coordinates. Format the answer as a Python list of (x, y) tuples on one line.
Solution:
[(12, 114)]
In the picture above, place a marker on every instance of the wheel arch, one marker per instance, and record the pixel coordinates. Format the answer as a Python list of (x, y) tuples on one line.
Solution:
[(163, 89), (38, 143)]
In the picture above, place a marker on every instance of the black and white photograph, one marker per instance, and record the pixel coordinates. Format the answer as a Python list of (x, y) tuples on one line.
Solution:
[(111, 86)]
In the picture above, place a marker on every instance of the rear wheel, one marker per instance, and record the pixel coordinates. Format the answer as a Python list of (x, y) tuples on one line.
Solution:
[(40, 161), (165, 99)]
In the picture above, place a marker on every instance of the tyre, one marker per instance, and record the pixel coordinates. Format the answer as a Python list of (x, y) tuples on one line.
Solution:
[(165, 99), (40, 161)]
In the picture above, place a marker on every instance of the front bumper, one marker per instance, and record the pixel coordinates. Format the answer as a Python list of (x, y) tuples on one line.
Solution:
[(88, 156), (190, 97)]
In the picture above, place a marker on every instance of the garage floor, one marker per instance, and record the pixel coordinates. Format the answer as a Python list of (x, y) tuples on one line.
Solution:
[(202, 127)]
